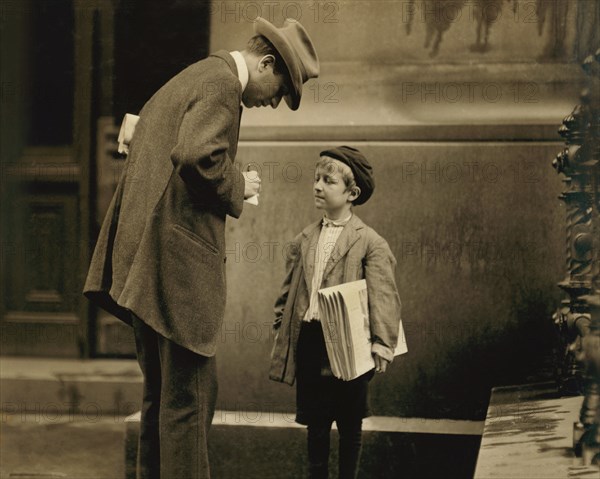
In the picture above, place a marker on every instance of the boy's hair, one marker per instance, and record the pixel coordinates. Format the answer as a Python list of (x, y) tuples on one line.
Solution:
[(260, 46), (327, 163)]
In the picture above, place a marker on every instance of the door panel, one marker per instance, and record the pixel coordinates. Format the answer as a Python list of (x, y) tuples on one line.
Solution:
[(40, 267)]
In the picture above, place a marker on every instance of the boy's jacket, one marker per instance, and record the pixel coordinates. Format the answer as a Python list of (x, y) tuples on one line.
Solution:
[(358, 253)]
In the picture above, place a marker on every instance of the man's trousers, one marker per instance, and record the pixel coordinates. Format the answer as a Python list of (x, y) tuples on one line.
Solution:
[(180, 391)]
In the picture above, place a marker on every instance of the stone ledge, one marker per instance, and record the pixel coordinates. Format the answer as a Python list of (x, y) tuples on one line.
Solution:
[(263, 444), (57, 386), (430, 133), (406, 102)]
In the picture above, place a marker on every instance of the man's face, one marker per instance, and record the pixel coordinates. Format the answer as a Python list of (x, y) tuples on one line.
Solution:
[(330, 190), (265, 87)]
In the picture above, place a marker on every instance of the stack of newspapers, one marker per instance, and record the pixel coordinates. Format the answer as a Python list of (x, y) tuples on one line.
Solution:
[(126, 132), (344, 313)]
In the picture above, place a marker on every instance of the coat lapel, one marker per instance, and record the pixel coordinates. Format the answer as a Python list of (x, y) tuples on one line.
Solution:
[(308, 248), (237, 135), (348, 237)]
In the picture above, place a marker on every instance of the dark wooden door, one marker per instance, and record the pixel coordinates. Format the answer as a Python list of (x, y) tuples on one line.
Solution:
[(46, 108), (70, 69)]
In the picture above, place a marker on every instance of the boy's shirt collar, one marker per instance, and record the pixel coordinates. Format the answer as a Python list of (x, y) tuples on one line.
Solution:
[(329, 222), (242, 68), (315, 227)]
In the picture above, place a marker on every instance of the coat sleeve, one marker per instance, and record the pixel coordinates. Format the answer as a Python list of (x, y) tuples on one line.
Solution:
[(291, 261), (201, 157), (384, 301)]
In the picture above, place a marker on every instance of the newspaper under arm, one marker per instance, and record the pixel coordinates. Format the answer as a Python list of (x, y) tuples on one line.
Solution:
[(126, 132)]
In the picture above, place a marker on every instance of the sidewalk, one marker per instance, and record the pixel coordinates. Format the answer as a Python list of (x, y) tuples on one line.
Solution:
[(66, 419), (36, 447)]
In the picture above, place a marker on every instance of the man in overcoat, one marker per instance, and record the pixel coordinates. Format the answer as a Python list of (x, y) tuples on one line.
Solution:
[(159, 260)]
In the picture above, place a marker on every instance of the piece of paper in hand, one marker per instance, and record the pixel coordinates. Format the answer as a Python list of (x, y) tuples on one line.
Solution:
[(126, 132), (253, 200)]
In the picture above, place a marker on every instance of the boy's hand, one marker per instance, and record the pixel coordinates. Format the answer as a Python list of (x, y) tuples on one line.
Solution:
[(381, 364), (251, 183)]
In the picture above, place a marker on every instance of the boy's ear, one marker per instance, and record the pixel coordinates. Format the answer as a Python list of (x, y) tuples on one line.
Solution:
[(354, 194)]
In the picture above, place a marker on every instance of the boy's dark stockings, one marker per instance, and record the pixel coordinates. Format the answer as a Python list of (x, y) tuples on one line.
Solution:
[(350, 432)]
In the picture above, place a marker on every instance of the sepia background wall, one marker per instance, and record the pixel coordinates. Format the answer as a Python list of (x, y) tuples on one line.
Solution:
[(461, 132), (455, 103)]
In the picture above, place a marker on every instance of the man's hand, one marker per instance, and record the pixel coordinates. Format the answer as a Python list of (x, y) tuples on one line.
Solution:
[(252, 183), (381, 364)]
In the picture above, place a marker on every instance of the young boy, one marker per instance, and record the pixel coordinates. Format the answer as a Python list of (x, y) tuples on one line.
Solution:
[(337, 249)]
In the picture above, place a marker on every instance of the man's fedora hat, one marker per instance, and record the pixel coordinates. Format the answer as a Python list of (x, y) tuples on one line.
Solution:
[(297, 50)]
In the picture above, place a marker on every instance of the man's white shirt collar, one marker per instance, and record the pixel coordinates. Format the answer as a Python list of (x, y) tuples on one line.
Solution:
[(242, 68)]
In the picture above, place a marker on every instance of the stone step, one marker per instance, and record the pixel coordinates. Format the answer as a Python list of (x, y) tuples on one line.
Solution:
[(255, 444), (50, 387)]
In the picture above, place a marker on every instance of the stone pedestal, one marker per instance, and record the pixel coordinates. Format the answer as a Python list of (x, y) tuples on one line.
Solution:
[(269, 445)]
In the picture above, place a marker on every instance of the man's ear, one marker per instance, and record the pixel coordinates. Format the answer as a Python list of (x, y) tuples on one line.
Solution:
[(354, 194), (265, 62)]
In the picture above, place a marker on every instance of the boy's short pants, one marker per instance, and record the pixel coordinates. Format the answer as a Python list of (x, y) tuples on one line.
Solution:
[(319, 395)]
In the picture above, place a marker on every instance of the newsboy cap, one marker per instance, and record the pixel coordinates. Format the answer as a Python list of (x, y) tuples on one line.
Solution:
[(361, 168), (298, 53)]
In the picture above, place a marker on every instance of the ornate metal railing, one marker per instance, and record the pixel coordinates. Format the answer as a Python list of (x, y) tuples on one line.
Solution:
[(578, 318)]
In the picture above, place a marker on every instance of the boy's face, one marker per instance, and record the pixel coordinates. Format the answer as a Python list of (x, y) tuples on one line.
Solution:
[(265, 87), (330, 190)]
